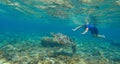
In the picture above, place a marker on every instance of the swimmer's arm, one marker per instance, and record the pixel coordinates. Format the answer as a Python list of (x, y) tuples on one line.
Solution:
[(78, 27), (86, 30)]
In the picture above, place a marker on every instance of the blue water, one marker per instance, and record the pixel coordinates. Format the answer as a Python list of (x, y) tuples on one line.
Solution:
[(26, 22)]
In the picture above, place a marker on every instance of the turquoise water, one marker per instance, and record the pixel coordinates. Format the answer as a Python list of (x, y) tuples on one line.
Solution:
[(23, 23)]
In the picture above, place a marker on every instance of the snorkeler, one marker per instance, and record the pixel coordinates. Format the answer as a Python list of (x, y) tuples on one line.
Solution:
[(89, 27)]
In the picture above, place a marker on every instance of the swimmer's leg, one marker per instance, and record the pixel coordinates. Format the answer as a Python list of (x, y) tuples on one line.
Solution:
[(95, 33), (101, 36)]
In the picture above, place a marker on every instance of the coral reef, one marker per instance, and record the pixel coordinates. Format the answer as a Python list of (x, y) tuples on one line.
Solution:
[(30, 51)]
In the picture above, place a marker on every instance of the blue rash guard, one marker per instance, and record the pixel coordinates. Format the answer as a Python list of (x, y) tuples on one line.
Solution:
[(92, 28)]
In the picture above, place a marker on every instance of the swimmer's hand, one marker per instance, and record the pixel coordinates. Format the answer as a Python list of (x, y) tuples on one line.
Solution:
[(78, 27), (73, 29), (82, 33)]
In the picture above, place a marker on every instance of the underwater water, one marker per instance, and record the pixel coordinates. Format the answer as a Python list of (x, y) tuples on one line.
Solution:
[(24, 23)]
